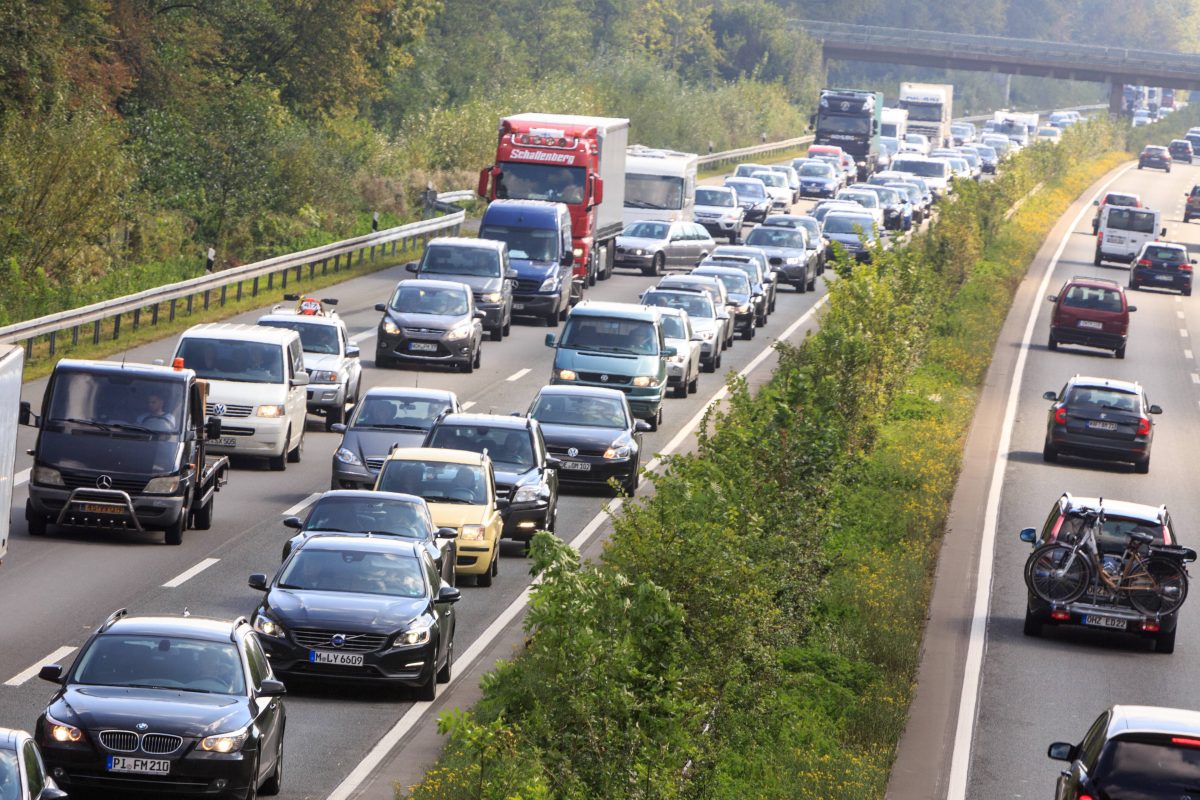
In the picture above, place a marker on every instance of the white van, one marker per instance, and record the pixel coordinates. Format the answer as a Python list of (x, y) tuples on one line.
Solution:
[(1123, 230), (256, 385), (935, 172)]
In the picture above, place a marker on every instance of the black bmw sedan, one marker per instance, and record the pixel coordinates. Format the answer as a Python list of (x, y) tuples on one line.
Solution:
[(359, 609), (164, 706)]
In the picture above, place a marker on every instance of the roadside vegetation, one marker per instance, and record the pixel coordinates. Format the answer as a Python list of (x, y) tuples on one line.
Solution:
[(753, 627)]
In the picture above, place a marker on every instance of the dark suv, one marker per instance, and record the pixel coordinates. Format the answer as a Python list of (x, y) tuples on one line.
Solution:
[(1092, 312), (1133, 751), (165, 706), (1155, 157), (482, 264), (1192, 209), (430, 322), (526, 474), (1180, 150), (1100, 418), (1163, 265)]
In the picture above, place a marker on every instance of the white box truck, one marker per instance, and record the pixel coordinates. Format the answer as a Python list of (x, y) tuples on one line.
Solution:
[(659, 184), (12, 360), (895, 123), (930, 108)]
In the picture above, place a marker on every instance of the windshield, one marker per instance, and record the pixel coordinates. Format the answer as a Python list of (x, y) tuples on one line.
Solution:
[(532, 244), (813, 170), (1092, 297), (591, 412), (672, 327), (653, 191), (435, 481), (518, 181), (357, 571), (360, 514), (836, 123), (313, 338), (747, 170), (922, 112), (754, 190), (1128, 219), (402, 413), (648, 230), (233, 360), (986, 151), (162, 662), (476, 261), (889, 145), (510, 446), (926, 169), (734, 284), (697, 305), (1154, 770), (864, 199), (770, 236), (771, 179), (714, 197), (610, 335), (103, 402), (418, 299), (10, 776), (850, 224)]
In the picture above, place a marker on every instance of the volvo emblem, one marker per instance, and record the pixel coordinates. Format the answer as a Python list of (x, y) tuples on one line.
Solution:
[(604, 379), (338, 640), (141, 726), (572, 451), (104, 482), (219, 409)]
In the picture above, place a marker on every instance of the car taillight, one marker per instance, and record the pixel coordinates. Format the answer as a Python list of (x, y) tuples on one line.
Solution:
[(1086, 797), (1185, 267), (1060, 415), (1185, 741), (1145, 262), (1144, 426), (1100, 237)]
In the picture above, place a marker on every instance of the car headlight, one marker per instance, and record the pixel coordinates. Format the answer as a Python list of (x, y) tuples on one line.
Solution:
[(490, 297), (471, 533), (549, 285), (418, 634), (324, 376), (530, 493), (620, 452), (265, 625), (792, 260), (643, 380), (390, 327), (165, 484), (62, 732), (271, 411), (677, 358), (458, 332), (47, 476), (707, 335), (226, 742), (577, 252), (744, 308), (348, 456), (567, 375)]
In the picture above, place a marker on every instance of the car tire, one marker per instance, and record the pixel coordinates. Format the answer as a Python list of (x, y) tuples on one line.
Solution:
[(562, 312), (279, 463), (1033, 626), (657, 264), (35, 522), (1119, 352), (716, 363), (478, 354), (296, 453), (1134, 284), (507, 329), (467, 366), (680, 390), (552, 319), (1052, 343), (274, 784), (1097, 259), (694, 384), (1049, 453), (1187, 292), (333, 416), (801, 287), (812, 283), (384, 362), (484, 578), (1142, 467), (657, 421), (202, 517), (427, 691), (496, 333), (1165, 642), (252, 789), (174, 534), (444, 674), (709, 366)]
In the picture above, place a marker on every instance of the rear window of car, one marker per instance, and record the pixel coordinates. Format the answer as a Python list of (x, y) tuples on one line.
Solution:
[(1095, 298), (1155, 768), (1154, 151), (1172, 254), (1113, 199), (1132, 220)]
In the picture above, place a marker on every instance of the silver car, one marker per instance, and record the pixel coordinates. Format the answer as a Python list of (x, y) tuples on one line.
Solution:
[(717, 209), (683, 368), (787, 248), (655, 246), (707, 326)]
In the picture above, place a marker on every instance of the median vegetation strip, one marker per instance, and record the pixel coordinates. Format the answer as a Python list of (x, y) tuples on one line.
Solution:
[(753, 628)]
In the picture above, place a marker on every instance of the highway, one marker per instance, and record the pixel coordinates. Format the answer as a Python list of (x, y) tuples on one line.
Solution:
[(60, 587), (1037, 690)]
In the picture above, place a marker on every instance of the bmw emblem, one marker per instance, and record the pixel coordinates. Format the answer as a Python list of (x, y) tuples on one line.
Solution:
[(572, 451), (338, 640), (141, 726), (604, 379), (104, 482), (219, 409)]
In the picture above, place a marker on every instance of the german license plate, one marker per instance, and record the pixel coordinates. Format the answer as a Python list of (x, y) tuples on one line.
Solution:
[(142, 766), (577, 466), (1088, 323), (102, 508), (341, 659), (1164, 277), (1097, 425), (423, 347), (227, 441), (518, 306), (1098, 621), (1116, 239)]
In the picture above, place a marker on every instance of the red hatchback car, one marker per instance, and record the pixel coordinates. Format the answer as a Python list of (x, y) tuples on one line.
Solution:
[(1091, 312)]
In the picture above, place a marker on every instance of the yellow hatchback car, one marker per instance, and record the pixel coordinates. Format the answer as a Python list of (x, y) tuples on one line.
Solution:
[(460, 489)]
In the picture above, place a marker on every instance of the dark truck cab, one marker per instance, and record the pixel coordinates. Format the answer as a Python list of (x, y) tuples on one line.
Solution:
[(123, 446)]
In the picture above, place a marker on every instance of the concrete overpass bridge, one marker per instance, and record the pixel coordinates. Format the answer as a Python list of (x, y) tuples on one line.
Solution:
[(1115, 66)]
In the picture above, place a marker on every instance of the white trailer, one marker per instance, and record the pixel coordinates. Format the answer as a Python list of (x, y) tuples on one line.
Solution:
[(930, 108), (895, 123), (659, 184), (12, 360)]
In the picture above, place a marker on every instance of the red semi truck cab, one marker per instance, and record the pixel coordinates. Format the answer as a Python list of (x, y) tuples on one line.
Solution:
[(575, 160)]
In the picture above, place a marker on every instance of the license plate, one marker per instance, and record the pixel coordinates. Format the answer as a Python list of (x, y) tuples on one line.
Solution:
[(1097, 621), (227, 441), (1164, 277), (1116, 239), (143, 766), (101, 508), (429, 347), (578, 466), (518, 306), (341, 659), (1087, 323), (1101, 426)]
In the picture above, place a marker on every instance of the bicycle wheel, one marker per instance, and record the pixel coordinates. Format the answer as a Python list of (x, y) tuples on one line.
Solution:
[(1053, 576), (1159, 587)]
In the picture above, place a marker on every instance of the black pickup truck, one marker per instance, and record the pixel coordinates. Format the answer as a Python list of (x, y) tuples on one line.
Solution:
[(123, 446)]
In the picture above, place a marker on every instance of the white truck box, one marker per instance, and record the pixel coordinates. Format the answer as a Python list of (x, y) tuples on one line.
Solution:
[(916, 98), (12, 359), (895, 123), (659, 185)]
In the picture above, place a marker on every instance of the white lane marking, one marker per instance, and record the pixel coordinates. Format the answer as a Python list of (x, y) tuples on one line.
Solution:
[(1195, 378), (380, 751), (21, 477), (1179, 313), (188, 574), (303, 504), (362, 337), (516, 376), (1187, 354), (1178, 299), (468, 405), (1183, 332), (968, 706), (53, 658)]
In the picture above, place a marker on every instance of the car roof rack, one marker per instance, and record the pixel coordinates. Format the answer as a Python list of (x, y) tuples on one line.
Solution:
[(112, 618)]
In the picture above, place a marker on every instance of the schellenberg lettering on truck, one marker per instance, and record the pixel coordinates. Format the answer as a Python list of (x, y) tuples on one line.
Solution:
[(542, 155)]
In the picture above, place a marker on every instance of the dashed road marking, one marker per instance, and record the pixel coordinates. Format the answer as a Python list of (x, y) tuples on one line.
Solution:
[(1183, 332), (188, 574), (21, 477), (1187, 354), (24, 675), (516, 376), (468, 405), (303, 504)]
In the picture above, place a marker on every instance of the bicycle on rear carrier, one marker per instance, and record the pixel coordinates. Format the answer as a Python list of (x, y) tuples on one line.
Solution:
[(1151, 577)]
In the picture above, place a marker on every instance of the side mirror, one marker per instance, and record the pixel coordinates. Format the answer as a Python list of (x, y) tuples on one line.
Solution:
[(1061, 751), (295, 523), (447, 533), (449, 594), (511, 274), (51, 793), (1132, 309), (411, 266), (481, 187), (553, 463), (272, 687), (567, 260), (480, 314), (1052, 396), (380, 307), (338, 427), (669, 352), (597, 191), (258, 581), (550, 340), (300, 380), (642, 426), (1155, 409), (1053, 298), (501, 503), (25, 414), (51, 672), (352, 351), (1028, 535), (212, 428)]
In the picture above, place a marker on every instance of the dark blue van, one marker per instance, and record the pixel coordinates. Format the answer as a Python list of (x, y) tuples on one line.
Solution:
[(538, 235)]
